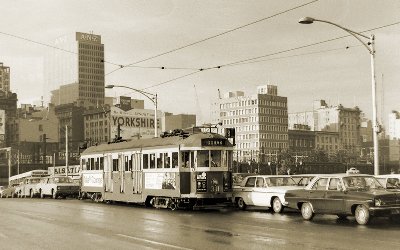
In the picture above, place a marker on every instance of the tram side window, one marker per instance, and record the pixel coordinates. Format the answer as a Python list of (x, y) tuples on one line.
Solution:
[(101, 163), (83, 164), (152, 161), (87, 164), (203, 158), (97, 164), (131, 160), (145, 161), (185, 159), (126, 161), (174, 159), (160, 160), (115, 165), (215, 158), (167, 161), (91, 163)]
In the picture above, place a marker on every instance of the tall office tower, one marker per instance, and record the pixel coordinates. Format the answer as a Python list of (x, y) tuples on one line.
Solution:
[(261, 122), (75, 71), (4, 78)]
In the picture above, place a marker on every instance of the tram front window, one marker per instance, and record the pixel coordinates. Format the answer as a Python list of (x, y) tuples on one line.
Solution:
[(215, 158)]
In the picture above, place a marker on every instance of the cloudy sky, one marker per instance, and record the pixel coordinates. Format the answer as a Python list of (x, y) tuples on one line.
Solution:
[(133, 31)]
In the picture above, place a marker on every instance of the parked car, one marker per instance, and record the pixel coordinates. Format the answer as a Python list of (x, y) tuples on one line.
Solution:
[(389, 181), (57, 186), (8, 192), (345, 195), (28, 187), (263, 190), (303, 179)]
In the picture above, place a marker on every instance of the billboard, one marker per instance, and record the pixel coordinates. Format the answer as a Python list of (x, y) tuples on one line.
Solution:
[(134, 123)]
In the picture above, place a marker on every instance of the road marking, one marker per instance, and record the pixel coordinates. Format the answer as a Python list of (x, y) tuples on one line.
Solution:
[(152, 242)]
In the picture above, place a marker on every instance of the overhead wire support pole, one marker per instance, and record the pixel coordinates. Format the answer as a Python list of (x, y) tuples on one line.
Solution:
[(371, 49)]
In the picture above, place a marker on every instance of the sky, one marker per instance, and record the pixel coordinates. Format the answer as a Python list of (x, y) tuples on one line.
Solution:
[(133, 31)]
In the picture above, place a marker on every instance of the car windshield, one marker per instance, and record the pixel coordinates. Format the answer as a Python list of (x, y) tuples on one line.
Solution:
[(361, 183), (62, 180), (280, 181)]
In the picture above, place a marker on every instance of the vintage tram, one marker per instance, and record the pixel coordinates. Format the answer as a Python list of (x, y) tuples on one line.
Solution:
[(174, 171)]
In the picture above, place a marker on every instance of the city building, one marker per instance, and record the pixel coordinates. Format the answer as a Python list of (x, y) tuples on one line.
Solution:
[(8, 116), (327, 141), (394, 125), (77, 76), (260, 122), (366, 131), (345, 121), (301, 140), (180, 121), (4, 78)]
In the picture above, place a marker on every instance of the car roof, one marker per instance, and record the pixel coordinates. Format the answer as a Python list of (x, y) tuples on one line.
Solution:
[(268, 176), (345, 175), (388, 175)]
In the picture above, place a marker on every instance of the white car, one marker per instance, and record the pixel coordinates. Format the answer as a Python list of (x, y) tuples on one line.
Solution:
[(264, 190), (57, 186), (389, 181)]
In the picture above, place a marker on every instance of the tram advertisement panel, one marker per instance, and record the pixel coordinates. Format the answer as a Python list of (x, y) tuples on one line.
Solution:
[(201, 182), (160, 181), (92, 180)]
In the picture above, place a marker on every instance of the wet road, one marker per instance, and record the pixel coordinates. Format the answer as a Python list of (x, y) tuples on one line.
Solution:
[(73, 224)]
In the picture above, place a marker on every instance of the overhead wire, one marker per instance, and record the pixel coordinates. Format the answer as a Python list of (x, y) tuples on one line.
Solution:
[(271, 54), (214, 36)]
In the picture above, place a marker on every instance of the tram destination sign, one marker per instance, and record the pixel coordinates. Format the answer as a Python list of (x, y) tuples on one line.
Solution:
[(213, 142)]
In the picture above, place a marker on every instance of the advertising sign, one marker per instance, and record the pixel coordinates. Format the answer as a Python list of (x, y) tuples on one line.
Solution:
[(201, 182), (160, 181), (92, 180), (133, 123), (73, 170), (125, 103), (85, 37)]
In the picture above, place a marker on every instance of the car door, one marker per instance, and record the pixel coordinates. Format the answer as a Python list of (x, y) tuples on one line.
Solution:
[(334, 197), (259, 193), (247, 190), (316, 195)]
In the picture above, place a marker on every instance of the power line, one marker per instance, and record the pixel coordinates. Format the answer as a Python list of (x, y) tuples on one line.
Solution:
[(214, 36), (244, 61), (48, 45)]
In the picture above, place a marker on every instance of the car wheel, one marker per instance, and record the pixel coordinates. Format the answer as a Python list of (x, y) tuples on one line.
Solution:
[(342, 216), (54, 195), (307, 211), (362, 215), (41, 194), (32, 194), (277, 205), (241, 204)]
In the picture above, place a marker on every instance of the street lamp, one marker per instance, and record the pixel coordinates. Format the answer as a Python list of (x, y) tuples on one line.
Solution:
[(150, 96), (370, 46)]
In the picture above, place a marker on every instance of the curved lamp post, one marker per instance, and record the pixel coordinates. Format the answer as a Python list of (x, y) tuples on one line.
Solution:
[(370, 46), (150, 96)]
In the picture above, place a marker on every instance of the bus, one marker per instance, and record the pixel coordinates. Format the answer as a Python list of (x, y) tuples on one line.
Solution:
[(178, 170), (22, 185), (19, 178)]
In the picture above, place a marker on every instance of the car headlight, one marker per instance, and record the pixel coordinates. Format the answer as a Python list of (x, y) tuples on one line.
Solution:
[(378, 202)]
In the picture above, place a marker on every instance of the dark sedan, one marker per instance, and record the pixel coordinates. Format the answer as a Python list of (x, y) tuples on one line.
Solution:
[(344, 195)]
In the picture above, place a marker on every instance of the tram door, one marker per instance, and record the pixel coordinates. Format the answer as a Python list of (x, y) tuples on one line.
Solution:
[(136, 173), (108, 167)]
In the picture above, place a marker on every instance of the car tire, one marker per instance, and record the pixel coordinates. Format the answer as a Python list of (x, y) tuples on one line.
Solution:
[(307, 211), (277, 205), (41, 194), (54, 196), (241, 204), (32, 195), (362, 215)]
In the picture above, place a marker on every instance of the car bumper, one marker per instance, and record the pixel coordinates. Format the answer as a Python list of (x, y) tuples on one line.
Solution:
[(384, 211)]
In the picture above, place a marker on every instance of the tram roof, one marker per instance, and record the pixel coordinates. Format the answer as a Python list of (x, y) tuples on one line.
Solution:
[(193, 140)]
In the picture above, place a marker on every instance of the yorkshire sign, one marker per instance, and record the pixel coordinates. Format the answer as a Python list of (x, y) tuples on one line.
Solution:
[(134, 123)]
